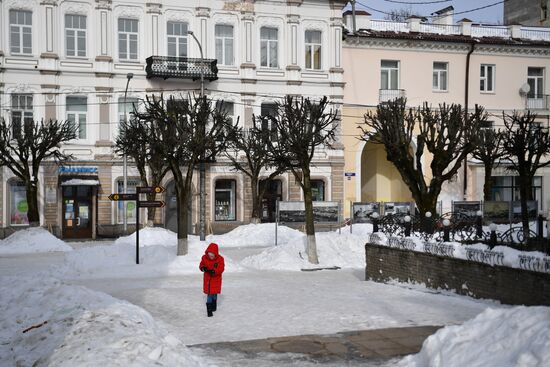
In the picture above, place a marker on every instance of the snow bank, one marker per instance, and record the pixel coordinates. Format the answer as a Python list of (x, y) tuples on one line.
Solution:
[(256, 235), (83, 328), (157, 257), (35, 239), (497, 337), (343, 250)]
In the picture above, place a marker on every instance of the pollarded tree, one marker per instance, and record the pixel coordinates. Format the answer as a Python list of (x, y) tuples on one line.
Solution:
[(490, 152), (134, 140), (184, 131), (24, 147), (527, 145), (250, 154), (302, 126), (409, 133)]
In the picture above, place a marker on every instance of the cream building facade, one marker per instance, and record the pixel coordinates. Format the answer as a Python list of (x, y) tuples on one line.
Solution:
[(70, 60), (508, 70)]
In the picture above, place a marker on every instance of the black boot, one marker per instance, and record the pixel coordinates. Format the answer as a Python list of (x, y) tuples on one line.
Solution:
[(214, 305), (209, 309)]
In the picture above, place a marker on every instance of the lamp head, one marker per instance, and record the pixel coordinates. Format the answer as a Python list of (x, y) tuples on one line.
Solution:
[(129, 76)]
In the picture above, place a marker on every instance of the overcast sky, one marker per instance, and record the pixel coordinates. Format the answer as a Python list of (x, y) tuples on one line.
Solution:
[(490, 15)]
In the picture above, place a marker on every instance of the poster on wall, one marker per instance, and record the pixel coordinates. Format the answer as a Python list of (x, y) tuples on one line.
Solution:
[(19, 205), (362, 211), (397, 208), (496, 212), (51, 195), (469, 208), (294, 212), (532, 210)]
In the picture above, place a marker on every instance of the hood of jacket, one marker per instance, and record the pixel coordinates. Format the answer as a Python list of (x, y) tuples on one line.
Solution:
[(213, 248)]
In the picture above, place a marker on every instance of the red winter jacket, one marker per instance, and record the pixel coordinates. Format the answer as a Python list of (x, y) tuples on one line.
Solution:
[(212, 284)]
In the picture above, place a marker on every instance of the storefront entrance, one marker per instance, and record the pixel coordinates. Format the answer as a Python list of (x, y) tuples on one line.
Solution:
[(273, 193), (77, 211)]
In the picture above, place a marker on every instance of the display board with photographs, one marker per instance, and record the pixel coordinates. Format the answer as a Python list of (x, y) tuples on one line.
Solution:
[(469, 208), (532, 210), (398, 208), (294, 212), (496, 212), (361, 212)]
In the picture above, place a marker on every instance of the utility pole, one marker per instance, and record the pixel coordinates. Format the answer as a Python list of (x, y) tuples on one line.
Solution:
[(202, 167), (125, 160)]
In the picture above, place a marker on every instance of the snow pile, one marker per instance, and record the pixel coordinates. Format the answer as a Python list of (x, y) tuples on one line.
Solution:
[(75, 326), (497, 337), (333, 249), (34, 239), (157, 257), (256, 235)]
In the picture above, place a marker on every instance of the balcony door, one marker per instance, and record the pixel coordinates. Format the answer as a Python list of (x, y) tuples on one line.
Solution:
[(535, 96)]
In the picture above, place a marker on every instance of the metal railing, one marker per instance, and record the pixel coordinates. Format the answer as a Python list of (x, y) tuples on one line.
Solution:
[(493, 31), (440, 28), (389, 25), (535, 34), (537, 102), (386, 95), (181, 67)]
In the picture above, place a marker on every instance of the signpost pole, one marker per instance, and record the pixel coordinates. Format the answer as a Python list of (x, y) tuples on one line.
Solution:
[(350, 216), (276, 221), (137, 230)]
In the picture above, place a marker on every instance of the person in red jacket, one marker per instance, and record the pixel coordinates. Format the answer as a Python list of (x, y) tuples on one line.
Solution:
[(212, 265)]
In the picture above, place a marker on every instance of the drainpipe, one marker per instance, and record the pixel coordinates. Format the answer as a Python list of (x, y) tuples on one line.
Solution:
[(466, 100)]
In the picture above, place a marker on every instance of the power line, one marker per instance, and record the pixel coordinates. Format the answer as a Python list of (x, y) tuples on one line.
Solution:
[(417, 3), (426, 16)]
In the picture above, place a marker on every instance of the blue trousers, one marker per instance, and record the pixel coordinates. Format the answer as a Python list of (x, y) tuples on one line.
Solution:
[(211, 298)]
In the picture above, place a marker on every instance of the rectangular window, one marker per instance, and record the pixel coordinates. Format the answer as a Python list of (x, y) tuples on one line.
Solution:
[(18, 203), (127, 39), (224, 44), (21, 112), (269, 114), (132, 183), (130, 103), (21, 32), (224, 201), (389, 78), (75, 35), (506, 188), (487, 78), (318, 190), (77, 109), (226, 107), (269, 47), (535, 79), (177, 39), (440, 76), (313, 49)]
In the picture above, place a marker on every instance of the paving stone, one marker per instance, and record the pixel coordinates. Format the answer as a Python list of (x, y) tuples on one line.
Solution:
[(297, 346), (337, 348)]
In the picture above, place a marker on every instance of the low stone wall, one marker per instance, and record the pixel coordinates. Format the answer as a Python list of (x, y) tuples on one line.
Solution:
[(478, 280)]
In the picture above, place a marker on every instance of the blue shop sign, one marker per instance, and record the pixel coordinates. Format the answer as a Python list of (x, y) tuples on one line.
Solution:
[(77, 169)]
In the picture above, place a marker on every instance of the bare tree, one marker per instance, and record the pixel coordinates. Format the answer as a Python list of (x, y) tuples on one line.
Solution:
[(24, 147), (527, 145), (184, 130), (409, 133), (302, 126), (250, 154), (399, 15), (490, 152), (134, 141)]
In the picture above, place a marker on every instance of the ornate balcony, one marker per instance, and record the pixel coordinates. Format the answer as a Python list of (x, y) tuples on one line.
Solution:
[(386, 95), (181, 67), (538, 102)]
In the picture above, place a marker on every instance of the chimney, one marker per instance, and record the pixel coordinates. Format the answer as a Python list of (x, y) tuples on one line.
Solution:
[(465, 27), (362, 19), (443, 16), (414, 23)]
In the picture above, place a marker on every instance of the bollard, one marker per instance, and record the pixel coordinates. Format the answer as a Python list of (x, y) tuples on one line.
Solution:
[(428, 223), (408, 226), (374, 217), (446, 230), (493, 238), (479, 224)]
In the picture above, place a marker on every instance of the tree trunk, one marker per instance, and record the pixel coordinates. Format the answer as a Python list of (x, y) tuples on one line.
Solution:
[(151, 211), (181, 198), (524, 188), (311, 245), (426, 203), (488, 184), (256, 201), (32, 203)]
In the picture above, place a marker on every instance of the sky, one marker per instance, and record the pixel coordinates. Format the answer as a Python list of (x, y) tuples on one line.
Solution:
[(489, 15)]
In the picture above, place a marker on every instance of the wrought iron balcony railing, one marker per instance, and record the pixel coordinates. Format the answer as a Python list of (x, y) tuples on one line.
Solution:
[(181, 67), (390, 94), (538, 102)]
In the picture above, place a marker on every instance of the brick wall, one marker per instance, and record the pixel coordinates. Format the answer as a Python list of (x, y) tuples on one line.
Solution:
[(478, 280)]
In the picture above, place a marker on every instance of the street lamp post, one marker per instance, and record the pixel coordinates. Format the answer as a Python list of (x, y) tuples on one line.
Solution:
[(125, 160), (202, 168)]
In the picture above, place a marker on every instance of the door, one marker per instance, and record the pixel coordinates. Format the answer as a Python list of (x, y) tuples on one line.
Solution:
[(77, 211), (273, 193)]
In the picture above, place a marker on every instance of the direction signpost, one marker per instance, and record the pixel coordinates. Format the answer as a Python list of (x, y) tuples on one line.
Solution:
[(140, 204)]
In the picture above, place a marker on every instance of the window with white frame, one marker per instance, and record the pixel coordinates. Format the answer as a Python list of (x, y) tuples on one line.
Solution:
[(127, 39), (224, 44), (269, 47), (21, 112), (75, 35), (318, 190), (131, 184), (313, 45), (130, 104), (77, 110), (18, 205), (225, 200), (439, 82), (269, 113), (535, 79), (177, 39), (389, 74), (21, 32), (487, 78), (226, 107)]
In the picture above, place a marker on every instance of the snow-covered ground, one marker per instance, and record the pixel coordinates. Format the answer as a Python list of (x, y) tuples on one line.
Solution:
[(159, 303), (31, 240)]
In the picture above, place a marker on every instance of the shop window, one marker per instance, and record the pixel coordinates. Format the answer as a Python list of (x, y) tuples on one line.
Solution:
[(131, 208), (18, 203), (506, 188), (224, 200), (318, 190)]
